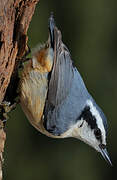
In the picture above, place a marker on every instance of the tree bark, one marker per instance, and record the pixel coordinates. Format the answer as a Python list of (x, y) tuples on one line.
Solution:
[(15, 17)]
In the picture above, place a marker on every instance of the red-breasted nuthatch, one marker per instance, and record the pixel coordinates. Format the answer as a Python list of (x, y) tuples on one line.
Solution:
[(55, 99)]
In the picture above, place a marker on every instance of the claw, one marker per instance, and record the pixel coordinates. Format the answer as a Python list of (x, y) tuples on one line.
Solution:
[(5, 108)]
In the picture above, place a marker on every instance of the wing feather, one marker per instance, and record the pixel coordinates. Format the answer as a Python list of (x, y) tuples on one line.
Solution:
[(59, 84)]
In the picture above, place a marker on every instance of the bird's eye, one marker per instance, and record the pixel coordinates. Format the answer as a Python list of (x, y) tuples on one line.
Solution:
[(97, 133)]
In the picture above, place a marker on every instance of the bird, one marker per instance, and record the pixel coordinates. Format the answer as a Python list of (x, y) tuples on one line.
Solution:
[(55, 99)]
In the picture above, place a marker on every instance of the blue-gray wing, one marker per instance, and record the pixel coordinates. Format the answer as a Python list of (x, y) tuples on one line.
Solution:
[(59, 85), (61, 76), (67, 93)]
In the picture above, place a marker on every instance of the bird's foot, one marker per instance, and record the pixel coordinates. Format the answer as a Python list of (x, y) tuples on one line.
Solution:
[(5, 108)]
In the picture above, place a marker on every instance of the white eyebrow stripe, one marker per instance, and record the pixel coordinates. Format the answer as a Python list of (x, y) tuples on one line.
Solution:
[(99, 120)]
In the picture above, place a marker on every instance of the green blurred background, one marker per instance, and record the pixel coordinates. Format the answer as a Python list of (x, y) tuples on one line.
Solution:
[(89, 30)]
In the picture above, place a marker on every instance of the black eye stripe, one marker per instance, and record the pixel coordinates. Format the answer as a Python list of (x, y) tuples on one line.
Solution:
[(91, 120), (88, 117)]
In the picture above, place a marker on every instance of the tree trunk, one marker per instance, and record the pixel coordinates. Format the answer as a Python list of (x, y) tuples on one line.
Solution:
[(15, 17)]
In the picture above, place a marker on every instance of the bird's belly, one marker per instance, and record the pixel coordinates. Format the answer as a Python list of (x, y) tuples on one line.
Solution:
[(33, 91)]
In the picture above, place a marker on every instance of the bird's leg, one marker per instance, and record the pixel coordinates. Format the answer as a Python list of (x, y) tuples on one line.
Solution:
[(5, 108)]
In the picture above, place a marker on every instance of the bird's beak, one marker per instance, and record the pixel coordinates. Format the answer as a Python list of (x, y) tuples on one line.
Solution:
[(105, 154), (51, 30)]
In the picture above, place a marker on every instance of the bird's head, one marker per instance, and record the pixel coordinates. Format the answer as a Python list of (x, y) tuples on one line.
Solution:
[(92, 128)]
